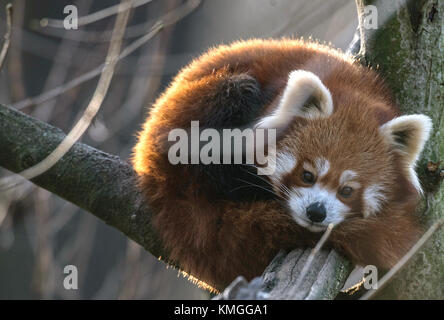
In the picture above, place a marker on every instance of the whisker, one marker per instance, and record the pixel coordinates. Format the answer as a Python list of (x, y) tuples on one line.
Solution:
[(285, 189), (281, 200), (257, 186), (280, 186), (258, 176)]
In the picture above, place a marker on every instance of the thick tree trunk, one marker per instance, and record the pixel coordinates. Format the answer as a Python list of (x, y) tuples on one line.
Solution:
[(408, 49)]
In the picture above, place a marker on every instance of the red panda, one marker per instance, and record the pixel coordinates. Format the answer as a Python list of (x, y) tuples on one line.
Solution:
[(344, 155)]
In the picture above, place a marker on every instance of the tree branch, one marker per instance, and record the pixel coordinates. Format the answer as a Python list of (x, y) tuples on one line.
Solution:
[(98, 182)]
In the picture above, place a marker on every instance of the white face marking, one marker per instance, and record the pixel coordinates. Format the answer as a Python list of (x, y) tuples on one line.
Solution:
[(348, 179), (301, 198), (285, 163), (322, 167), (308, 167), (373, 199), (346, 176)]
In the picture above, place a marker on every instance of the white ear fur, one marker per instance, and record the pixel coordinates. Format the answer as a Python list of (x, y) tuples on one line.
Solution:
[(305, 96), (407, 135)]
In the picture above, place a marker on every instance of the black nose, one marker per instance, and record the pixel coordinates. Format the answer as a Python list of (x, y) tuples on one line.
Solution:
[(316, 212)]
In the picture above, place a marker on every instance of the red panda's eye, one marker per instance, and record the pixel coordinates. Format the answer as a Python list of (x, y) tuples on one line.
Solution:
[(346, 192), (308, 177)]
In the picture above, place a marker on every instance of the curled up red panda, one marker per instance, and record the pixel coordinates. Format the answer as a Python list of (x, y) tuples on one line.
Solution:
[(344, 155)]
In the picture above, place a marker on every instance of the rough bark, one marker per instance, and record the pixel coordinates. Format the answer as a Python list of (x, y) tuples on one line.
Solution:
[(280, 280), (408, 49)]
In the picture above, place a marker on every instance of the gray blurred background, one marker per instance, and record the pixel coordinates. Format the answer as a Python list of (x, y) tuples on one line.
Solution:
[(40, 233)]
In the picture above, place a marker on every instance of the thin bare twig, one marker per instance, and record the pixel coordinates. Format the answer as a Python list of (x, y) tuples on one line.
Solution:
[(91, 110), (96, 16), (142, 90), (406, 258), (42, 282), (94, 36), (165, 21), (7, 34), (59, 73), (310, 258), (15, 67), (7, 198)]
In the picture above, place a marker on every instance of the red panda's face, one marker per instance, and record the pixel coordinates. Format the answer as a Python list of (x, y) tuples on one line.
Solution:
[(332, 166), (314, 201), (329, 173)]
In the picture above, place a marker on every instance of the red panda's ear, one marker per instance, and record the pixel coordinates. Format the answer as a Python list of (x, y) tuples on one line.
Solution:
[(407, 136), (304, 96)]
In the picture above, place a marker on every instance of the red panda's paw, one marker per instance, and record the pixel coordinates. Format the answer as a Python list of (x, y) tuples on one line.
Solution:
[(380, 242)]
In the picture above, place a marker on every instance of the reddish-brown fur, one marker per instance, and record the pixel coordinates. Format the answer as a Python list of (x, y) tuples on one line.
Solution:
[(216, 240)]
